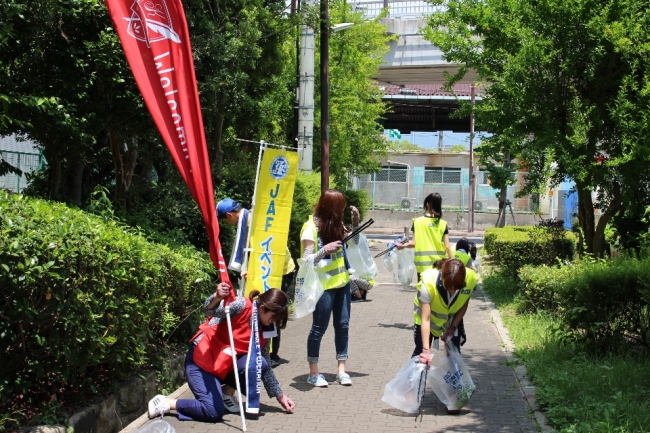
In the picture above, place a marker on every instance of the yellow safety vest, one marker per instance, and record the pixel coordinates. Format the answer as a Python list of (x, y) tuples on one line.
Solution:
[(441, 312), (332, 274), (463, 257), (289, 265), (429, 245)]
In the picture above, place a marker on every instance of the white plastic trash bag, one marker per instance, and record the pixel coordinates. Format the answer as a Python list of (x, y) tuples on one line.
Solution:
[(477, 264), (157, 426), (308, 289), (405, 266), (390, 263), (405, 390), (450, 378), (361, 258)]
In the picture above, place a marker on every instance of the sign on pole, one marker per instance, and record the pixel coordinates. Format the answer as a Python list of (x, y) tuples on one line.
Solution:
[(270, 226)]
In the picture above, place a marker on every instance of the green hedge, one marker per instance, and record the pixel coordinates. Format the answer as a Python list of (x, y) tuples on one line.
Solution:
[(513, 247), (85, 301), (599, 302)]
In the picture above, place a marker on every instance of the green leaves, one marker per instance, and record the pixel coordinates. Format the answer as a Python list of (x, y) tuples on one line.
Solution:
[(84, 296), (598, 301), (562, 84), (514, 247), (356, 138)]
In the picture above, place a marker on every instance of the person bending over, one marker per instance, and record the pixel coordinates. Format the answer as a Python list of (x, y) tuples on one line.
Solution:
[(209, 365)]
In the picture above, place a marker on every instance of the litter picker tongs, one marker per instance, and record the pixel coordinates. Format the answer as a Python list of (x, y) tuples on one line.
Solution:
[(388, 250), (358, 230)]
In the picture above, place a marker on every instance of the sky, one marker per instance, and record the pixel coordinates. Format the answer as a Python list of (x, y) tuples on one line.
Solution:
[(429, 140)]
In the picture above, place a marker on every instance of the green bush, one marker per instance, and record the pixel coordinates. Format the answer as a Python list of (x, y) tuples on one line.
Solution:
[(358, 198), (86, 301), (598, 302), (513, 247), (305, 196)]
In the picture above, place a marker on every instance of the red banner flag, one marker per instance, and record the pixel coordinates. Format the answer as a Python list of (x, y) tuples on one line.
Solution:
[(156, 41)]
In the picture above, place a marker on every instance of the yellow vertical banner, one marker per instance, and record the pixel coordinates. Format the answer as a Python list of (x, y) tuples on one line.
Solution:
[(271, 217)]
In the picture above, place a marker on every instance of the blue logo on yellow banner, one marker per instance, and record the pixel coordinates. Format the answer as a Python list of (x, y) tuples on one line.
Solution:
[(279, 167)]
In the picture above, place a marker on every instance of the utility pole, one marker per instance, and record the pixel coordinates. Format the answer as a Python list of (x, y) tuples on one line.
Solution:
[(324, 96), (305, 96), (470, 214), (296, 102)]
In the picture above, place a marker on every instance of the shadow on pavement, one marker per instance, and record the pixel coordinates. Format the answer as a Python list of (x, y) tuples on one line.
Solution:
[(300, 382), (393, 325)]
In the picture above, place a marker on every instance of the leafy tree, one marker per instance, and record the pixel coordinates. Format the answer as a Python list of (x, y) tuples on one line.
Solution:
[(564, 83), (9, 11), (457, 148), (67, 52), (356, 139), (402, 146), (67, 80), (242, 56)]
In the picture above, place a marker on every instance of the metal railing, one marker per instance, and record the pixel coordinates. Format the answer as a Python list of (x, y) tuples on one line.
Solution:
[(400, 189), (396, 8), (25, 162)]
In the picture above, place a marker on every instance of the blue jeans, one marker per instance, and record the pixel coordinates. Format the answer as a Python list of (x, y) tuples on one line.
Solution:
[(208, 406), (334, 302)]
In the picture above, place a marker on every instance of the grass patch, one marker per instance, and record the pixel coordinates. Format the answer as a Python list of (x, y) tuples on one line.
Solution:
[(578, 392)]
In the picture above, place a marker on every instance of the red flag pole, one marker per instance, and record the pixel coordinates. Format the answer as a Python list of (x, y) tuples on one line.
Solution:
[(156, 42)]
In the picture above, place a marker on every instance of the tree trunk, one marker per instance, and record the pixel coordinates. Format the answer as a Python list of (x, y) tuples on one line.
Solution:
[(599, 234), (123, 170), (75, 178), (586, 215), (54, 161), (218, 151), (503, 194), (615, 206)]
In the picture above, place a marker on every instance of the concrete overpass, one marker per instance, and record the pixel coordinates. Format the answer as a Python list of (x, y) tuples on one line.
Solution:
[(413, 71)]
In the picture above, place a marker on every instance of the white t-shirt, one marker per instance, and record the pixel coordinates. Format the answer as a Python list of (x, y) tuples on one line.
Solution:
[(307, 235)]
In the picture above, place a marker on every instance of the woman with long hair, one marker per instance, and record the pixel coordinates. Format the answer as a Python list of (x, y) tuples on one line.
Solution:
[(430, 235), (321, 242), (209, 365)]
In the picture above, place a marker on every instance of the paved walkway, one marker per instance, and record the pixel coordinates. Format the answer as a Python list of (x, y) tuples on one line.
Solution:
[(381, 342)]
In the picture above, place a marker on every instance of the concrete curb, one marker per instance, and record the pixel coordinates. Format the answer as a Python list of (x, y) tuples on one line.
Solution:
[(525, 386), (142, 420)]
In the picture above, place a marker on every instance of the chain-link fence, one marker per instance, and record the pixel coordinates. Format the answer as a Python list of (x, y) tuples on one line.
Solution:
[(396, 8), (25, 162), (406, 188)]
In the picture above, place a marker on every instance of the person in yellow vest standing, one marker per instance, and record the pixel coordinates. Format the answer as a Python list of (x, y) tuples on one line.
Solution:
[(234, 214), (430, 235), (321, 241), (440, 305)]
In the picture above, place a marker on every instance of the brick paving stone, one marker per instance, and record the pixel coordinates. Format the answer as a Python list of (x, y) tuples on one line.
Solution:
[(381, 341)]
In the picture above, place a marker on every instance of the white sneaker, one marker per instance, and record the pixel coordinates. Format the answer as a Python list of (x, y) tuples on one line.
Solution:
[(158, 406), (318, 381), (231, 403)]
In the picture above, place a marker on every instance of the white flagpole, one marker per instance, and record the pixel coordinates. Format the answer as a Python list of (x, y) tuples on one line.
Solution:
[(242, 281), (234, 363)]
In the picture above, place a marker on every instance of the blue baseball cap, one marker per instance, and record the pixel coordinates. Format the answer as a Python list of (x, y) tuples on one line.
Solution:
[(227, 205)]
